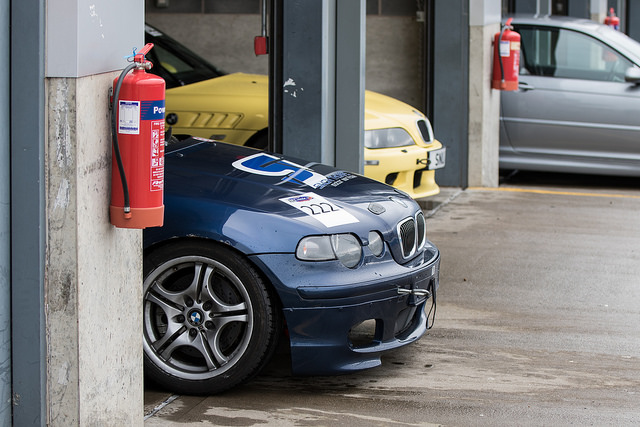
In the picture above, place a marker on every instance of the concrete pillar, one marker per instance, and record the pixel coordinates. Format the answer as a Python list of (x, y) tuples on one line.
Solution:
[(543, 7), (93, 277), (93, 280), (484, 102), (598, 10)]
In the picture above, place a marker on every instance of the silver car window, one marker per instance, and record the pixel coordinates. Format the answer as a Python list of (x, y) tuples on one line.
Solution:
[(563, 53)]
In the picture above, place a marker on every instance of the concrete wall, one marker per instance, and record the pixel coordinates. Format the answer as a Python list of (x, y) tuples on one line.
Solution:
[(484, 109), (598, 10), (393, 47), (93, 277), (484, 102), (394, 58), (94, 271)]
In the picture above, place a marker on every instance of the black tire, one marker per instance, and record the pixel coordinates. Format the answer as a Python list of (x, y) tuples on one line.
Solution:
[(210, 322), (259, 140)]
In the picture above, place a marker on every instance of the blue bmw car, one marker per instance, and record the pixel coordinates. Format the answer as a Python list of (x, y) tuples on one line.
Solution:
[(257, 247)]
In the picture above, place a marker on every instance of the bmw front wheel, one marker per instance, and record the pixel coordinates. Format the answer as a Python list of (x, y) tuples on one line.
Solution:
[(210, 321)]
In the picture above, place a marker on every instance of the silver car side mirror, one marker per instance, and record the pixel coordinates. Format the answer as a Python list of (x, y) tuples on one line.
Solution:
[(632, 75)]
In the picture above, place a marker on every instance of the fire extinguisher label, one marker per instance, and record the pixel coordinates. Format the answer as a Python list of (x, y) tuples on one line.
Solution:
[(505, 49), (129, 117), (157, 155), (152, 110)]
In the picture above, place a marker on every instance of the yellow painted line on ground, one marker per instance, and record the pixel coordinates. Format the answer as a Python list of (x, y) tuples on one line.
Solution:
[(554, 192)]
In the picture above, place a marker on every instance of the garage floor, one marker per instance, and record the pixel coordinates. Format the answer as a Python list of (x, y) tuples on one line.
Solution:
[(537, 323)]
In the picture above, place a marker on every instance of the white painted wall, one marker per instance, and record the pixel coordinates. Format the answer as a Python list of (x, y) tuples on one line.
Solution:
[(86, 37)]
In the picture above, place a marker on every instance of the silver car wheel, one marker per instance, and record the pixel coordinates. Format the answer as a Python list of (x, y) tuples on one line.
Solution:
[(198, 317), (210, 322)]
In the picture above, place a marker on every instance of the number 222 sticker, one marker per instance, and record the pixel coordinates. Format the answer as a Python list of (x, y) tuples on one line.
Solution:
[(320, 209)]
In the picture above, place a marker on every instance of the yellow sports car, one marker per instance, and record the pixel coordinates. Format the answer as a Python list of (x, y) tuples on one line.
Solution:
[(201, 100)]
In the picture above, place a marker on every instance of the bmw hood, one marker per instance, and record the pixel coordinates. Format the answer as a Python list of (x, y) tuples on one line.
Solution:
[(212, 184)]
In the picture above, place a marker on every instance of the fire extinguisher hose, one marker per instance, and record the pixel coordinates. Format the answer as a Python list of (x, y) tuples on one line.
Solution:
[(504, 27), (114, 137)]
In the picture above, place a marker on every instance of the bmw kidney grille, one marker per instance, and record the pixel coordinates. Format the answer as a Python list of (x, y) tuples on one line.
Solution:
[(412, 234)]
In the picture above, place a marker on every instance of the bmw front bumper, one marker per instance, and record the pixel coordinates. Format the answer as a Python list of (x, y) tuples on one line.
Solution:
[(336, 326)]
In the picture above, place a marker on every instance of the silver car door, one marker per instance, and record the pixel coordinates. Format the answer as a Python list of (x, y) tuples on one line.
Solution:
[(573, 100)]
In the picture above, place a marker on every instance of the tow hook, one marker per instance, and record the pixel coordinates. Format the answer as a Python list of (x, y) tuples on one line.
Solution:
[(414, 294)]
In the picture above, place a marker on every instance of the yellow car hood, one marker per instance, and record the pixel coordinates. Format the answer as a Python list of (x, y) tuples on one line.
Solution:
[(381, 111), (234, 107), (236, 84)]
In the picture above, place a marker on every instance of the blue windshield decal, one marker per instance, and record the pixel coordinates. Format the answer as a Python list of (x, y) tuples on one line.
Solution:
[(268, 165)]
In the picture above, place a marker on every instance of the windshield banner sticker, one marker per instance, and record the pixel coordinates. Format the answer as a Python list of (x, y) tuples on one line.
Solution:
[(321, 209), (269, 165)]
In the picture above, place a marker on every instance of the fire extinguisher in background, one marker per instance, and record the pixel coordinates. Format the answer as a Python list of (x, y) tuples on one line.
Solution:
[(506, 58), (612, 20), (137, 126)]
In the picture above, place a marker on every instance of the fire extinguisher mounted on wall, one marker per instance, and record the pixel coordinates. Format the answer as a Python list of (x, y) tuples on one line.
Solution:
[(612, 20), (506, 58), (137, 126)]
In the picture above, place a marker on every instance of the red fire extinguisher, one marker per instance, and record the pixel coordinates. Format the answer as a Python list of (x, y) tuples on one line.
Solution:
[(612, 20), (137, 125), (506, 58)]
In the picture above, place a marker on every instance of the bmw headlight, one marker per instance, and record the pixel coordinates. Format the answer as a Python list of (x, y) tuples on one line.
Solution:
[(315, 248), (343, 247), (347, 248), (376, 244), (387, 138)]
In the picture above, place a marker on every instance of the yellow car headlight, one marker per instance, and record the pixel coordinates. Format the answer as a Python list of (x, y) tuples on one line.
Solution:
[(387, 138)]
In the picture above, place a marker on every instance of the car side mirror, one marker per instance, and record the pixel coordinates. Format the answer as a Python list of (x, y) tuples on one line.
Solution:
[(632, 75)]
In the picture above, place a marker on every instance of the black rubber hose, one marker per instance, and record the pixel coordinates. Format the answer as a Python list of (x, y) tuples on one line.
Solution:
[(500, 55), (114, 136)]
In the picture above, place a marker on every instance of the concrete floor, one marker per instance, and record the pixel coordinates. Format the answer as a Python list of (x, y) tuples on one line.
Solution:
[(537, 324)]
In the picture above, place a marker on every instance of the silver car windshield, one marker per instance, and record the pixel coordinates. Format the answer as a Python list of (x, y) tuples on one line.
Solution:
[(565, 53), (620, 40)]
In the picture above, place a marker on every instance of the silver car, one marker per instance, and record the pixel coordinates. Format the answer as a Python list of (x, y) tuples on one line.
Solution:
[(577, 108)]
